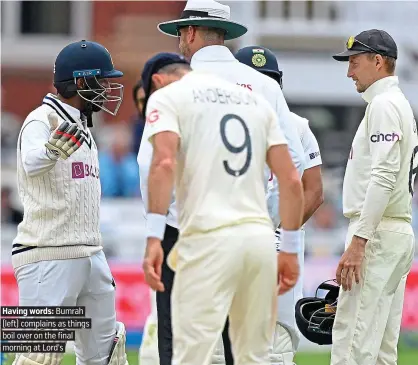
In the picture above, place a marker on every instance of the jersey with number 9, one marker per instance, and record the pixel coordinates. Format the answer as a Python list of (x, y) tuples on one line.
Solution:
[(225, 132)]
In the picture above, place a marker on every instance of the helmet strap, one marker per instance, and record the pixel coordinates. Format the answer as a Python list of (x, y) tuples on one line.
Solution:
[(88, 112), (67, 89)]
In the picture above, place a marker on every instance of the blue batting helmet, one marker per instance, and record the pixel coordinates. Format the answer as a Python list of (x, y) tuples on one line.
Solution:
[(89, 58), (262, 60), (93, 63)]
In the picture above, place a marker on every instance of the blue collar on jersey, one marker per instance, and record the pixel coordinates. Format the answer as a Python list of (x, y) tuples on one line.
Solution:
[(65, 111)]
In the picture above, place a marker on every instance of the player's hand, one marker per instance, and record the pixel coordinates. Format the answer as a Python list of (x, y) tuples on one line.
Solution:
[(349, 267), (154, 256), (288, 266), (65, 139)]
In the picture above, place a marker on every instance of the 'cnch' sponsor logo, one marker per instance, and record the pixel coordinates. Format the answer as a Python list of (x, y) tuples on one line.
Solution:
[(381, 137)]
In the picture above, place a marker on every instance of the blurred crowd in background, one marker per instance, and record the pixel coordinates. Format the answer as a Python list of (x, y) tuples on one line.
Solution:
[(303, 34)]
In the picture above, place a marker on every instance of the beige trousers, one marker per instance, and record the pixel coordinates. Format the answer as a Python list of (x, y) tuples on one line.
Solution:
[(231, 271), (368, 319)]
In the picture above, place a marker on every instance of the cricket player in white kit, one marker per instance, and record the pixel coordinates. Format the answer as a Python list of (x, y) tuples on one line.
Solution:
[(57, 254), (213, 138), (287, 337), (202, 29), (377, 197)]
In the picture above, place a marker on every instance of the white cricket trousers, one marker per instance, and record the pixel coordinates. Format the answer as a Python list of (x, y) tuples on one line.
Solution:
[(85, 282), (231, 271), (148, 352), (368, 319), (287, 336)]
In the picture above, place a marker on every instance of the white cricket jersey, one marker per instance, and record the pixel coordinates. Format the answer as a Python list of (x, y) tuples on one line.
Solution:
[(312, 159), (144, 162), (382, 165), (60, 198), (220, 61), (308, 140), (309, 143), (225, 132)]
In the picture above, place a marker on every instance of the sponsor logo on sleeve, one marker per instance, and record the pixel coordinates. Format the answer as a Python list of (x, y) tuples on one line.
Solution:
[(382, 137), (314, 155), (153, 116)]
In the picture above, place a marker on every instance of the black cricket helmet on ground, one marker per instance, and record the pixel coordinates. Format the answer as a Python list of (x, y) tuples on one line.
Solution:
[(84, 68), (315, 315)]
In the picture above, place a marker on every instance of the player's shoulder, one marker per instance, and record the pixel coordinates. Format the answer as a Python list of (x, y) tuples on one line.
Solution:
[(390, 99), (303, 122), (209, 80), (167, 96), (255, 75), (393, 104), (39, 114), (381, 99)]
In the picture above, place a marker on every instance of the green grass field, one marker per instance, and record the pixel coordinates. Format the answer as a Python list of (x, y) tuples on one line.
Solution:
[(406, 357)]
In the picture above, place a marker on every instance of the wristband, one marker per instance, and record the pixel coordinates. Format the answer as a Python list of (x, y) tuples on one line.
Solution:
[(291, 241), (156, 225)]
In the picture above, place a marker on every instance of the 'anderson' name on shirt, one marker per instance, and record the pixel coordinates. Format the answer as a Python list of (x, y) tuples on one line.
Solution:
[(222, 96)]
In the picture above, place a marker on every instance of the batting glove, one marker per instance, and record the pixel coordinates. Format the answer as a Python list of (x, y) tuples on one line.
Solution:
[(65, 139)]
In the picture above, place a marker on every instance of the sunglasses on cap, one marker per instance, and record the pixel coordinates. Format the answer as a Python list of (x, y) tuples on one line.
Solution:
[(352, 41)]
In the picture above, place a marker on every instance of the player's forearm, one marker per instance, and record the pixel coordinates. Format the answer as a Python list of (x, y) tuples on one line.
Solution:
[(313, 200), (160, 185), (313, 196), (377, 198), (291, 203), (38, 162)]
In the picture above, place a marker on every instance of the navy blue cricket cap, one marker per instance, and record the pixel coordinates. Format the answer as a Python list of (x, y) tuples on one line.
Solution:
[(262, 60), (152, 66), (369, 41)]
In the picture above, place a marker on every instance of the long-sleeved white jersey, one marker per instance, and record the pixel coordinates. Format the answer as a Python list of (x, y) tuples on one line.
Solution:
[(60, 198), (382, 164)]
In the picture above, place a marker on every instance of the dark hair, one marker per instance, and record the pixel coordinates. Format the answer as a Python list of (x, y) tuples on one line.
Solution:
[(137, 86)]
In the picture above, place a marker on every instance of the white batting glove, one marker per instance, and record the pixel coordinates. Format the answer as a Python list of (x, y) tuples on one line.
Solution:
[(65, 138)]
